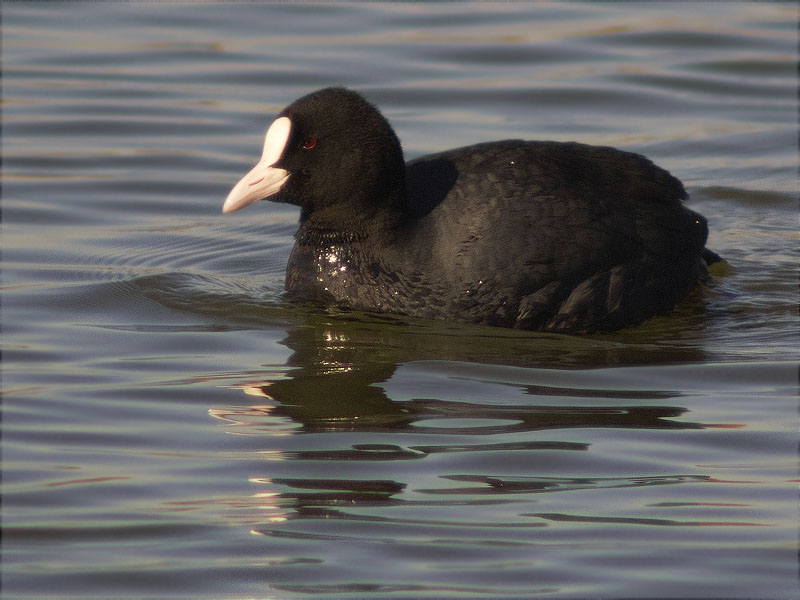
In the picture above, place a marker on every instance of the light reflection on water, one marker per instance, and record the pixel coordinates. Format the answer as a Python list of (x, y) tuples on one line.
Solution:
[(173, 427)]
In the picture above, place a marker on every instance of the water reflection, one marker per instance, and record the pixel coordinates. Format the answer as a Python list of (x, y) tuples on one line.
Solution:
[(641, 521), (333, 383), (339, 379)]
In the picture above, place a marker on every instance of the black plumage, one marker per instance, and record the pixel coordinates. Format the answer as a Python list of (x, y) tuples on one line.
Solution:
[(547, 236)]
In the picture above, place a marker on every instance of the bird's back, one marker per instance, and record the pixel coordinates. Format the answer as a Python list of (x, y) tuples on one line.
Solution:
[(498, 222)]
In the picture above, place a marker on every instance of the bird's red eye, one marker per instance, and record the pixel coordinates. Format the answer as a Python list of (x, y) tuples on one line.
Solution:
[(309, 143)]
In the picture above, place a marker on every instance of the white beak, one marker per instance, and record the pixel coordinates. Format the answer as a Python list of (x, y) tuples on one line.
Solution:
[(264, 179)]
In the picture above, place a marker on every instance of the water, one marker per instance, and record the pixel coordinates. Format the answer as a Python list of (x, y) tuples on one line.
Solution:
[(173, 428)]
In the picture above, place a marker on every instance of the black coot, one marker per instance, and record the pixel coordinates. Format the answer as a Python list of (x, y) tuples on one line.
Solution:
[(547, 236)]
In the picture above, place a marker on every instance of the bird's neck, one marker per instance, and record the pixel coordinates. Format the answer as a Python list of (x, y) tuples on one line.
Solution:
[(350, 223)]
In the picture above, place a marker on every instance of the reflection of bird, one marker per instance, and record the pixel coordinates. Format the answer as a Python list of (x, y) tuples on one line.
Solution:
[(533, 235)]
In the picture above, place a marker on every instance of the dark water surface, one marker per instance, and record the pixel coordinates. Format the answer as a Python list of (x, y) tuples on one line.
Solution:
[(173, 428)]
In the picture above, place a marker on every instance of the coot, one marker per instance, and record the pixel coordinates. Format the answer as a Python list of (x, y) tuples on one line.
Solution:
[(548, 236)]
